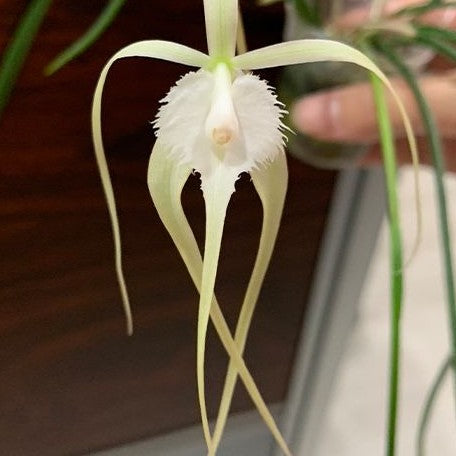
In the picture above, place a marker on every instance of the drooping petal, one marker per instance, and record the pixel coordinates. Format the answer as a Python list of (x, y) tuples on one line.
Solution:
[(166, 179), (270, 182), (306, 51), (221, 23), (154, 49), (217, 191)]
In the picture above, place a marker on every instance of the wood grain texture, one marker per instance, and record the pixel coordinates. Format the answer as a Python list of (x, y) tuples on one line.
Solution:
[(71, 382)]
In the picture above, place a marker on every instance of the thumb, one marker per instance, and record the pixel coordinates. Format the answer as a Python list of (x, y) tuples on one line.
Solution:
[(347, 114)]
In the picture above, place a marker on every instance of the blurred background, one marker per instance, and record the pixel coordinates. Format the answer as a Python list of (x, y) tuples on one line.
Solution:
[(355, 420), (71, 381)]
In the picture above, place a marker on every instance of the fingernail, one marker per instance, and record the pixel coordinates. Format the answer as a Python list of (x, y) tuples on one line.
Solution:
[(316, 115)]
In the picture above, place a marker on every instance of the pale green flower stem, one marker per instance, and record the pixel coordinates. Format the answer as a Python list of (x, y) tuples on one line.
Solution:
[(389, 164)]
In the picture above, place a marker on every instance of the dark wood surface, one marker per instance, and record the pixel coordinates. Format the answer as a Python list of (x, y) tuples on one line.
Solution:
[(71, 382)]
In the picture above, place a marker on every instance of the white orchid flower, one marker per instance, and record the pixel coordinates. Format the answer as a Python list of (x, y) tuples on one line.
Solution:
[(219, 121)]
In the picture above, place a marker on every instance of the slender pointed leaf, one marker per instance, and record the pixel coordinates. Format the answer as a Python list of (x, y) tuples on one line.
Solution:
[(19, 46), (103, 21), (437, 44), (438, 32)]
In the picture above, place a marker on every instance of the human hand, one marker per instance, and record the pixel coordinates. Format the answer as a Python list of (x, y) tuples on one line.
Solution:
[(347, 114)]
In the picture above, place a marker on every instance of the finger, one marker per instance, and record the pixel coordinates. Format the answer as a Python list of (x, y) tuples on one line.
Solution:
[(347, 114)]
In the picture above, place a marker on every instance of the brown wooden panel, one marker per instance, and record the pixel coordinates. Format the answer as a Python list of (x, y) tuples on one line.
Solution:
[(70, 380)]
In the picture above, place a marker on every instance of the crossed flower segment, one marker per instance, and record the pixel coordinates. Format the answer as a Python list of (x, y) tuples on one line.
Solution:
[(220, 121)]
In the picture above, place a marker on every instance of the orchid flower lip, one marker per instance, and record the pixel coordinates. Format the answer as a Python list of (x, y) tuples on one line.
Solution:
[(221, 118)]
